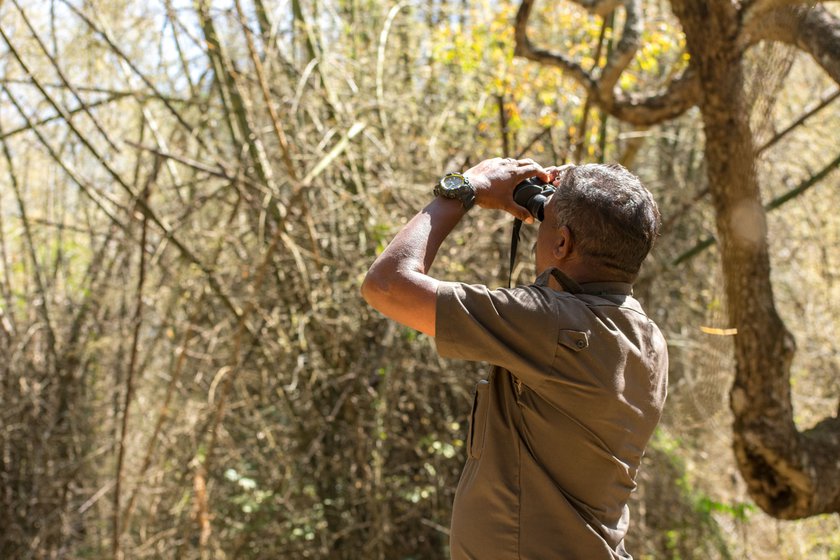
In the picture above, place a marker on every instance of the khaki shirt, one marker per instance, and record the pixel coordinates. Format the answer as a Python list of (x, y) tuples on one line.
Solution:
[(558, 429)]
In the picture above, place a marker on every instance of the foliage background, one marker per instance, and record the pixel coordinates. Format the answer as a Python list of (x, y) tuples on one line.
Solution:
[(191, 194)]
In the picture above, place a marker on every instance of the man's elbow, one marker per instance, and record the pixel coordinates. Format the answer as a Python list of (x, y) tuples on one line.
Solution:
[(407, 298), (374, 288)]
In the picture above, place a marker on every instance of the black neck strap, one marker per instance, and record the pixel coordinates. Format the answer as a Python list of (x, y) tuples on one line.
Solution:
[(563, 279), (514, 243)]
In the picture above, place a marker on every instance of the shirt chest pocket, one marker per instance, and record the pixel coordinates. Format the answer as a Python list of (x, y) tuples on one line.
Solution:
[(478, 419), (573, 340)]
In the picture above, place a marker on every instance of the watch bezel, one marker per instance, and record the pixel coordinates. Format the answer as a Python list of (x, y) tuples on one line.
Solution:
[(445, 187), (465, 192)]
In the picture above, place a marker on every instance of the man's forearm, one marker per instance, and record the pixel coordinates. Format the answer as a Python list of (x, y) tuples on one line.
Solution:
[(397, 283), (414, 248)]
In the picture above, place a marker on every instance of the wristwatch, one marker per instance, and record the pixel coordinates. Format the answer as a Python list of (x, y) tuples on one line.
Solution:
[(455, 185)]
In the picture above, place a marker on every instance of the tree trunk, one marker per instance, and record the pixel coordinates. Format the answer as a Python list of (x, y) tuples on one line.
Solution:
[(789, 474)]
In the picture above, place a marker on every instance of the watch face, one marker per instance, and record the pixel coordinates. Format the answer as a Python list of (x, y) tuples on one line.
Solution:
[(452, 182)]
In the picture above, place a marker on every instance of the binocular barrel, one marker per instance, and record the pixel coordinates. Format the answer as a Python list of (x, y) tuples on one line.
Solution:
[(532, 194)]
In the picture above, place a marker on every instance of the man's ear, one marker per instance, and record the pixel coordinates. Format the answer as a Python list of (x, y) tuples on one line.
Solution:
[(563, 244)]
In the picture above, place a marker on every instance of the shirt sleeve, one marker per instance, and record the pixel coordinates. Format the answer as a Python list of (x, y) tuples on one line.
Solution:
[(515, 329)]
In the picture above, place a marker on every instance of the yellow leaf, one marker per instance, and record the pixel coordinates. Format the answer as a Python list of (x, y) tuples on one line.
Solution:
[(719, 332)]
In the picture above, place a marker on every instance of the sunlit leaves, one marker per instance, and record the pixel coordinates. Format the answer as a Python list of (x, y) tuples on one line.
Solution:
[(518, 98), (480, 57), (661, 57)]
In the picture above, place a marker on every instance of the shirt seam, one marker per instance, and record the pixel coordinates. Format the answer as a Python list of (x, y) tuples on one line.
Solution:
[(617, 306), (519, 496)]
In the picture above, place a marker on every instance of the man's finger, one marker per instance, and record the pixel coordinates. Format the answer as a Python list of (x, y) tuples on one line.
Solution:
[(534, 170)]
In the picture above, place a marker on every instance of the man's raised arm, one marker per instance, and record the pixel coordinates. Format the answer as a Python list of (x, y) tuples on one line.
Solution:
[(398, 283)]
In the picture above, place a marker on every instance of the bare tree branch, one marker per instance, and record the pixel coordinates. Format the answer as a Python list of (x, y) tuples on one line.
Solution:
[(525, 49), (219, 171), (581, 135), (117, 93), (622, 55), (57, 117), (144, 208), (61, 75), (780, 200), (279, 132), (814, 30), (242, 129), (119, 52), (163, 413), (132, 367), (42, 303), (680, 94), (99, 199), (757, 8), (825, 100), (599, 7)]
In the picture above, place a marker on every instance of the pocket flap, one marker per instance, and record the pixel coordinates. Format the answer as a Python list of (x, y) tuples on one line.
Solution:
[(574, 340)]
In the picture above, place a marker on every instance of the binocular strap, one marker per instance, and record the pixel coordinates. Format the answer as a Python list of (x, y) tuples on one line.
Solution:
[(514, 243)]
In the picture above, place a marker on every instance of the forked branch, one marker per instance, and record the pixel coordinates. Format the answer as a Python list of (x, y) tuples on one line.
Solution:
[(812, 29), (680, 94)]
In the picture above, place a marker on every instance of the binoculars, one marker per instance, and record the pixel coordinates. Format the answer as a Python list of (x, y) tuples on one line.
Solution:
[(532, 194)]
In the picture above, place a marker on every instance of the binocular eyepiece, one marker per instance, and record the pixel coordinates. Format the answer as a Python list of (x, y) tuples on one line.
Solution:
[(532, 194)]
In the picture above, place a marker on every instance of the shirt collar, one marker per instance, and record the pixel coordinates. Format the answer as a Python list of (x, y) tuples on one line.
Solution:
[(607, 288), (590, 288)]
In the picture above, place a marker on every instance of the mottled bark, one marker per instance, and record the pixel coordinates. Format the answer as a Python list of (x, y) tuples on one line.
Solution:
[(789, 474)]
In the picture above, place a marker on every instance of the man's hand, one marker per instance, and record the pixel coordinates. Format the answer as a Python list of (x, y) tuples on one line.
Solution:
[(494, 180)]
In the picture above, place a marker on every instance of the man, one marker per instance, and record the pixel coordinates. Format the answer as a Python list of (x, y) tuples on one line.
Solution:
[(558, 429)]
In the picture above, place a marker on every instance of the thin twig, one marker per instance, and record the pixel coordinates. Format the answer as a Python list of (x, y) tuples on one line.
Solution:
[(42, 302), (272, 112), (772, 205), (826, 99), (163, 413), (96, 197), (142, 206), (63, 78), (380, 69), (56, 117), (587, 104), (118, 51), (233, 98), (119, 93), (132, 365)]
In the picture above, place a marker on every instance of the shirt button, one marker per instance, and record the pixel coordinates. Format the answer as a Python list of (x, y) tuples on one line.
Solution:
[(580, 343)]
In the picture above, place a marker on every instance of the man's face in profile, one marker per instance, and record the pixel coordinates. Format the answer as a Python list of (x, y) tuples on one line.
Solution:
[(549, 231)]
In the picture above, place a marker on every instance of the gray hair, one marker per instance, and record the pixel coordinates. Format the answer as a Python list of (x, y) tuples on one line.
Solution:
[(612, 216)]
